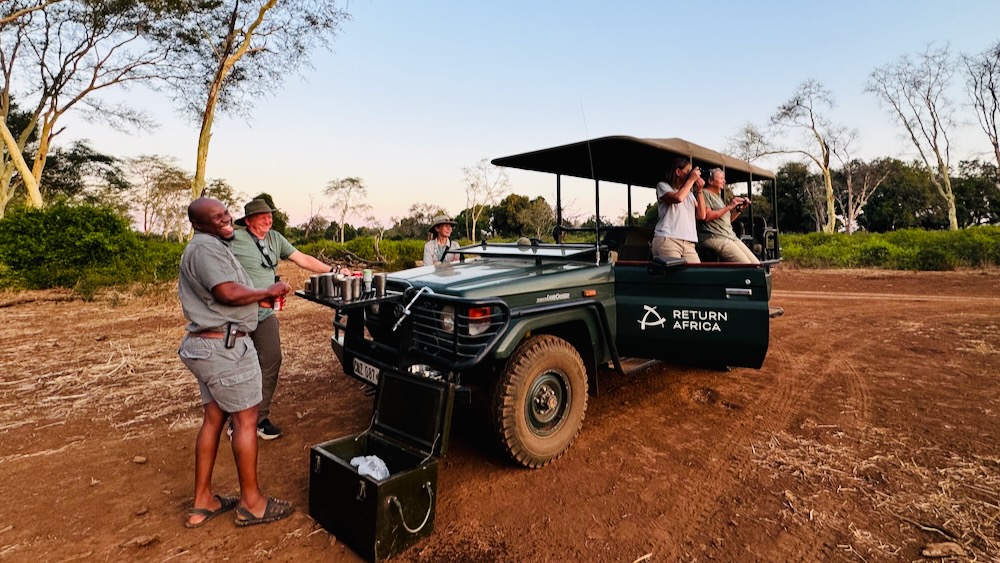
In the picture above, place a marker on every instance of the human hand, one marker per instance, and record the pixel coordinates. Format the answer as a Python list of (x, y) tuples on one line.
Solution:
[(278, 288)]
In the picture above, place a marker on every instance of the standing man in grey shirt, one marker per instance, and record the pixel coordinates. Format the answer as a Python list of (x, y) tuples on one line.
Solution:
[(259, 249), (220, 305)]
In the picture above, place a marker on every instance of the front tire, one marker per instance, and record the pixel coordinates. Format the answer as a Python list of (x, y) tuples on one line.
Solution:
[(540, 400)]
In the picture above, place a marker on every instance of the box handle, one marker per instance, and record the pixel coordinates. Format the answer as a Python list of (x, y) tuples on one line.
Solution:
[(430, 508)]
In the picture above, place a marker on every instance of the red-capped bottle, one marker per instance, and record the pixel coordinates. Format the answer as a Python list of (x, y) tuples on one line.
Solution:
[(279, 301)]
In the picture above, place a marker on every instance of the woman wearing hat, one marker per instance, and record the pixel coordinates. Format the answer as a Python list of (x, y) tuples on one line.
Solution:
[(440, 242)]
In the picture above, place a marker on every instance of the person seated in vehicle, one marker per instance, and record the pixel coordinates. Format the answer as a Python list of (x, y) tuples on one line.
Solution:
[(439, 242), (679, 201), (715, 229)]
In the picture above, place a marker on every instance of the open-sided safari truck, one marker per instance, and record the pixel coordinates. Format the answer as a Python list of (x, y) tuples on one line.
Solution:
[(530, 327)]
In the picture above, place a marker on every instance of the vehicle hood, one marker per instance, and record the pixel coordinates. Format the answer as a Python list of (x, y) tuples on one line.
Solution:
[(497, 277)]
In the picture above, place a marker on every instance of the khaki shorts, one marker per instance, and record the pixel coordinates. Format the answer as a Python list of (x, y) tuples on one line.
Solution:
[(228, 376), (667, 247), (730, 250)]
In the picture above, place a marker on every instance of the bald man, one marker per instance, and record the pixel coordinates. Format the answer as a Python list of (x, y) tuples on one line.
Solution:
[(220, 304)]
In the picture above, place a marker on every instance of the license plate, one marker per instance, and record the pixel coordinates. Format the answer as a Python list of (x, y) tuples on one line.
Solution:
[(366, 371)]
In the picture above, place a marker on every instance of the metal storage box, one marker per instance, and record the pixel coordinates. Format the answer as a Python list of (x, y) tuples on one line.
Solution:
[(409, 431)]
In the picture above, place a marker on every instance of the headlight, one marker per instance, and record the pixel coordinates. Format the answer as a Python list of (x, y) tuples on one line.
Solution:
[(447, 316)]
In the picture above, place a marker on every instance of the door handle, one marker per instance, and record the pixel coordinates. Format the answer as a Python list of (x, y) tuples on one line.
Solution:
[(738, 291)]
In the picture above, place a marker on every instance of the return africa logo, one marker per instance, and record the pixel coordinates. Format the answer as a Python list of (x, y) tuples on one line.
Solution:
[(685, 319)]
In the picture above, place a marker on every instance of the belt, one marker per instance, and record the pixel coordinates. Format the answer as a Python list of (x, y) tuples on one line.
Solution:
[(215, 334)]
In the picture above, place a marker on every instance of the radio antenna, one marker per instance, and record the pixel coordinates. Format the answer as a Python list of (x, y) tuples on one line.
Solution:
[(597, 193)]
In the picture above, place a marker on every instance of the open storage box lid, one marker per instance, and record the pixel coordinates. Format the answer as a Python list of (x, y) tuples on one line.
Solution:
[(414, 410)]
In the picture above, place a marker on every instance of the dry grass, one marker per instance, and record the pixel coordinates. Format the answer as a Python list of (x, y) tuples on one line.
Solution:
[(946, 496), (67, 358)]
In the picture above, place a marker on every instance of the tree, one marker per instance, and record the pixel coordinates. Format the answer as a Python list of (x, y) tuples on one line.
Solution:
[(12, 158), (75, 49), (861, 179), (81, 174), (14, 11), (415, 225), (229, 53), (983, 84), (794, 207), (223, 191), (507, 216), (349, 196), (803, 112), (915, 93), (905, 200), (377, 228), (538, 217), (158, 198), (977, 193), (484, 185)]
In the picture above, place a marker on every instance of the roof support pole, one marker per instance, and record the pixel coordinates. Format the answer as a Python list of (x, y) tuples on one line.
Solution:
[(628, 219), (558, 230)]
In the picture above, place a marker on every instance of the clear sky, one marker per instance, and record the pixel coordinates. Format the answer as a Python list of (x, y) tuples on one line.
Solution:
[(415, 91)]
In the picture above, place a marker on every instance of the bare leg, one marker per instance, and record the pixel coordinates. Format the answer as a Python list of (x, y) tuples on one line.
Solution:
[(205, 449), (245, 454)]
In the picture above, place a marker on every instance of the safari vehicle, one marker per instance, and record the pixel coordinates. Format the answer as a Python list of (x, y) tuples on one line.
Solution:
[(528, 328)]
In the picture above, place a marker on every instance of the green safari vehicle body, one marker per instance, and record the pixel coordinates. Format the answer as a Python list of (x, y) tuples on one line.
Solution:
[(528, 327)]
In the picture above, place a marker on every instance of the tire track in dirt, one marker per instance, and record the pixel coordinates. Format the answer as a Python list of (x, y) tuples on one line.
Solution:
[(782, 398), (707, 503)]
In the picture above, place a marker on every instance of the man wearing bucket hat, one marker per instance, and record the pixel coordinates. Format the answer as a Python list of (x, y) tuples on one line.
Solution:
[(259, 249), (439, 244)]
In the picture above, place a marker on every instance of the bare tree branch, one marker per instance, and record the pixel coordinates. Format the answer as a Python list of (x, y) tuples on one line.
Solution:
[(915, 95)]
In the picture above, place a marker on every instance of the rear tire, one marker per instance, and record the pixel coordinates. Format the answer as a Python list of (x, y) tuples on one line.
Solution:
[(540, 400)]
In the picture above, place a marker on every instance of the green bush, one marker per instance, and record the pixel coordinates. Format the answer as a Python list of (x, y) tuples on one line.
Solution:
[(398, 254), (906, 249), (80, 247)]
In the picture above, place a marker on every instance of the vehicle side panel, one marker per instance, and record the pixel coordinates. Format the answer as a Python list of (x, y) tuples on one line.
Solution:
[(712, 316)]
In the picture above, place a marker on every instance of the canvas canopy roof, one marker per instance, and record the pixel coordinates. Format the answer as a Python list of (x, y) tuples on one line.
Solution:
[(629, 160)]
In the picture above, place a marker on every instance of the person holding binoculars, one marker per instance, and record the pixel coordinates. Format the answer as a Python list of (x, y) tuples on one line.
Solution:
[(715, 230), (679, 200)]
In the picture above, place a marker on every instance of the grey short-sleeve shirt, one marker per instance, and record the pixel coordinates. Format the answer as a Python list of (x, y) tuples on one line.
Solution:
[(207, 262)]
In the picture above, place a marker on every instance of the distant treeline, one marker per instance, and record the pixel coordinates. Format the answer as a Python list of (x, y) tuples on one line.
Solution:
[(85, 248)]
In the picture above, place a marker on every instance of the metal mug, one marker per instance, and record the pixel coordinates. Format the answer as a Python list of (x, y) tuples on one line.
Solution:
[(326, 285), (378, 280), (346, 289)]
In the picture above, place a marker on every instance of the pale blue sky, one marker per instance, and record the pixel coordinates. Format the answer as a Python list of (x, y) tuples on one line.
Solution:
[(414, 91)]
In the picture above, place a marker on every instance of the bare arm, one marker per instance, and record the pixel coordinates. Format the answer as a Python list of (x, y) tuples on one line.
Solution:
[(232, 293), (310, 263), (679, 195), (713, 214)]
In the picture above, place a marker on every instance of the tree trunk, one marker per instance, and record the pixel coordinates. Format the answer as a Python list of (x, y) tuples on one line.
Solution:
[(34, 195), (831, 211)]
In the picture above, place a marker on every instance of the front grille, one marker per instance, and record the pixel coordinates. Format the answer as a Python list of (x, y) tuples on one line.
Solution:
[(476, 328)]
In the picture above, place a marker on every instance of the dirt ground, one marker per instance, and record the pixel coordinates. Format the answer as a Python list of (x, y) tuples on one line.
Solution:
[(869, 434)]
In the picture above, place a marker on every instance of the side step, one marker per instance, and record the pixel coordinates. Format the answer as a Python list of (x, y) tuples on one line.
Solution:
[(633, 365)]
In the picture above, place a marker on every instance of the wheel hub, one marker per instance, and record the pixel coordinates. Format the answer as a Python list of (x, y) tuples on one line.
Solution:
[(547, 403)]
